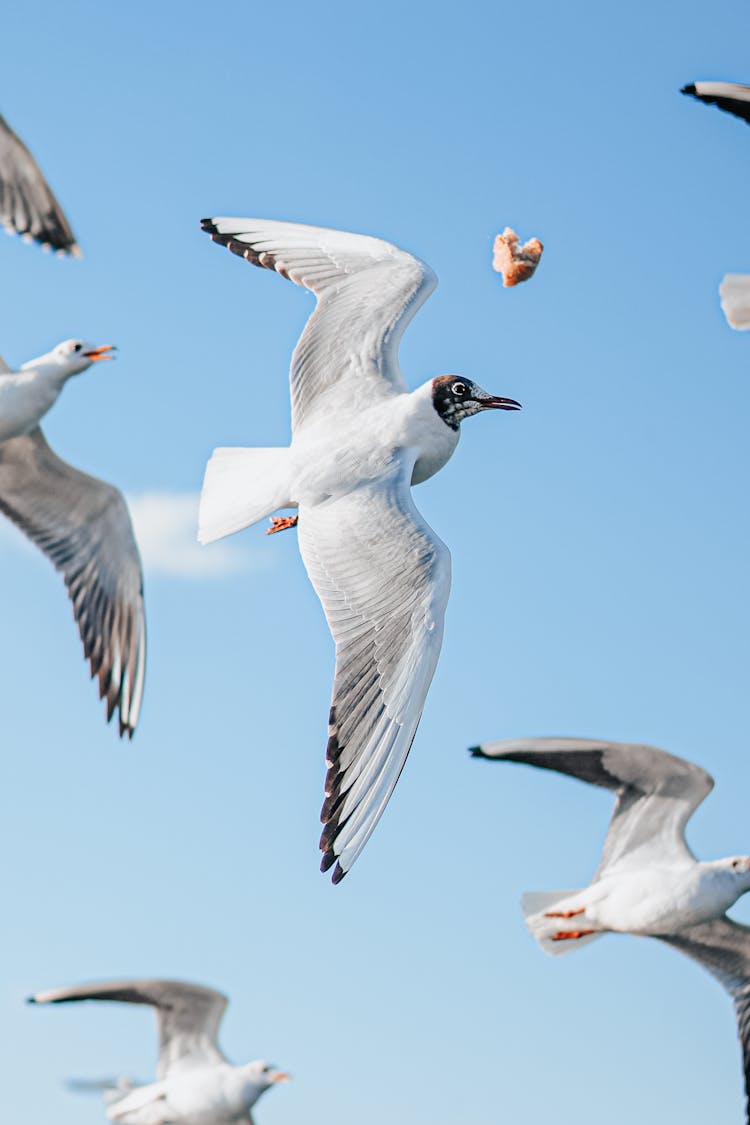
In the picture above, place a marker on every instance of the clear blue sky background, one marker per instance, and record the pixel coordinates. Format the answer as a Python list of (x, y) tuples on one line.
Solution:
[(600, 547)]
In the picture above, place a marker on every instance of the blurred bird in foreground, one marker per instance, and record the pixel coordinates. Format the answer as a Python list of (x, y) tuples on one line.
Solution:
[(648, 882), (360, 440), (27, 205), (81, 523), (196, 1085)]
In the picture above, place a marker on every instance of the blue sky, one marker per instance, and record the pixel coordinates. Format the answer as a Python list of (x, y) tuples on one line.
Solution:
[(599, 540)]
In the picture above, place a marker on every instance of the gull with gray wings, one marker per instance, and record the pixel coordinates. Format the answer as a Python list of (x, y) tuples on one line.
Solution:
[(195, 1085), (360, 440), (648, 882)]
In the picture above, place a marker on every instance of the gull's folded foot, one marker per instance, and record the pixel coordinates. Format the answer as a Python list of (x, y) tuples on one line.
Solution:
[(570, 935), (564, 913), (281, 523)]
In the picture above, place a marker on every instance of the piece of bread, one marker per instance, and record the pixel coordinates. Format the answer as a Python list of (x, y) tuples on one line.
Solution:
[(516, 263)]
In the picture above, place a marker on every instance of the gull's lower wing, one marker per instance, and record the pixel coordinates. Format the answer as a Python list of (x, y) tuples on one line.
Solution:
[(729, 96), (83, 526), (657, 792), (723, 948), (187, 1015), (383, 577), (368, 290), (27, 205)]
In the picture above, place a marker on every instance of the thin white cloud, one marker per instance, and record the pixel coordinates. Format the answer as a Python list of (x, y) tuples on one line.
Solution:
[(166, 524)]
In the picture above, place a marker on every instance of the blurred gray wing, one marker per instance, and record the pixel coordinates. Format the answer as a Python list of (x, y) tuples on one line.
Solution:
[(657, 793), (729, 96), (83, 526), (27, 205), (383, 577), (368, 290), (723, 947), (187, 1015)]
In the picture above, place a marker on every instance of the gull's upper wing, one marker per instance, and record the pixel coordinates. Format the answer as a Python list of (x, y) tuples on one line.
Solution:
[(729, 96), (383, 577), (27, 206), (187, 1016), (657, 793), (368, 290), (82, 524), (723, 947)]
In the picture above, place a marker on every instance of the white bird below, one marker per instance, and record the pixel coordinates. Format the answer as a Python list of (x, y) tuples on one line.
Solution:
[(27, 205), (81, 523), (360, 439), (196, 1085), (648, 882)]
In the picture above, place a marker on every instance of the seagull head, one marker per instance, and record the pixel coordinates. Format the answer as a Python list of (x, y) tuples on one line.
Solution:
[(456, 398), (734, 871), (71, 357), (260, 1076)]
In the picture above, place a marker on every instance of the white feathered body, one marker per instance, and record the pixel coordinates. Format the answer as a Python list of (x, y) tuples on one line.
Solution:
[(330, 454), (26, 396), (218, 1094)]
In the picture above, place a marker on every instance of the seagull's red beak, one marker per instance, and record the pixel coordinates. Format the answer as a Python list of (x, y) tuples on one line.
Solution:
[(492, 402), (281, 1076), (101, 353)]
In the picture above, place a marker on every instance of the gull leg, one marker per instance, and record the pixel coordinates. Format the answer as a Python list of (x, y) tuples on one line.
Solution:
[(564, 913), (281, 523), (570, 935)]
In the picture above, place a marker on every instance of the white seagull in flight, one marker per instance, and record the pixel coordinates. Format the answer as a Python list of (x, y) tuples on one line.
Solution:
[(196, 1085), (648, 882), (360, 439), (81, 523), (27, 205)]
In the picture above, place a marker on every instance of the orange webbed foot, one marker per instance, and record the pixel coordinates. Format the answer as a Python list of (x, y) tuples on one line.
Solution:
[(570, 935), (564, 913), (281, 523)]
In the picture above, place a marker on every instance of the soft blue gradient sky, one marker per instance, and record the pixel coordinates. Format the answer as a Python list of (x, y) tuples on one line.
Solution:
[(600, 548)]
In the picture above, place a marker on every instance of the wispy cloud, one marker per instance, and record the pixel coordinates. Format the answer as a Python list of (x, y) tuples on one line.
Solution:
[(166, 525)]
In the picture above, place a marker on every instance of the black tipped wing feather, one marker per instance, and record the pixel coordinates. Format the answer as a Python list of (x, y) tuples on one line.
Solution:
[(27, 205), (731, 97), (83, 526)]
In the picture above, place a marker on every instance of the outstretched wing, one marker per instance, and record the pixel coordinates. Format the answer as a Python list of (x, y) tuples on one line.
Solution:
[(187, 1015), (729, 96), (657, 793), (368, 290), (383, 577), (723, 947), (27, 205), (83, 526)]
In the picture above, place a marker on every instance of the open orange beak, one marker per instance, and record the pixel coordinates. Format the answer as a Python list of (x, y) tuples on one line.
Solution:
[(101, 353), (282, 1076)]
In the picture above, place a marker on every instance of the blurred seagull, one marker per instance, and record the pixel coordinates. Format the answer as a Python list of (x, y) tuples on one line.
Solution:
[(27, 205), (648, 882), (735, 287), (195, 1083), (81, 523), (360, 439)]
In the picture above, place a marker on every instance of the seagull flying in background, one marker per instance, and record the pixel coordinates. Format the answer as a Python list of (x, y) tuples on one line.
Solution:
[(195, 1083), (360, 439), (648, 882), (735, 287), (81, 523), (27, 205)]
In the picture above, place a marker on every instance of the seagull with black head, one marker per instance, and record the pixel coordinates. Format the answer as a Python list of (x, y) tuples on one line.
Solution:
[(360, 440)]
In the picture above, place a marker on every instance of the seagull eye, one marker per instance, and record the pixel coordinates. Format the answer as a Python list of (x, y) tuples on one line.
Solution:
[(266, 1069), (77, 347), (459, 388)]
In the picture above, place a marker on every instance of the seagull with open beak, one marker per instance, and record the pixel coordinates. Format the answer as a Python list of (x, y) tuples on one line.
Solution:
[(81, 523)]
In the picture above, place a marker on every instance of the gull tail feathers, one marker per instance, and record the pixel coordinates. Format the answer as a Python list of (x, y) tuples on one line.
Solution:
[(145, 1105), (735, 300), (536, 905), (240, 487)]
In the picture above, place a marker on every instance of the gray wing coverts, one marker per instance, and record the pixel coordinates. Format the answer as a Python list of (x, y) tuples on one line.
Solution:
[(83, 526), (27, 205)]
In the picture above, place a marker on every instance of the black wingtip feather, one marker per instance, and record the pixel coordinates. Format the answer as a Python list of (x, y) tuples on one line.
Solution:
[(477, 752), (327, 861), (689, 89), (31, 999), (338, 874), (208, 225)]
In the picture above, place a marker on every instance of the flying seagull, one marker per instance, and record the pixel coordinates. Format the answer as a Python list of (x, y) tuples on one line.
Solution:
[(360, 439), (195, 1082), (648, 882), (735, 287), (81, 523), (27, 205)]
